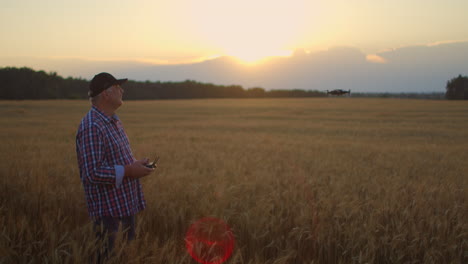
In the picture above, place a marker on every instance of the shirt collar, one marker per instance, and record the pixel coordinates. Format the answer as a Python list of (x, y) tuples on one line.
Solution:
[(108, 119)]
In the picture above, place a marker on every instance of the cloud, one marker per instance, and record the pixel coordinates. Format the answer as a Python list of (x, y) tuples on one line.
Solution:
[(422, 68), (375, 58), (437, 43)]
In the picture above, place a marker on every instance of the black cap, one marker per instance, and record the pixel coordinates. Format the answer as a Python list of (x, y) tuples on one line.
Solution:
[(102, 81)]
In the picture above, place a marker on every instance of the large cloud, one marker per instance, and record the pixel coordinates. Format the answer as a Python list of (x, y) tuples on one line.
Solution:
[(406, 69)]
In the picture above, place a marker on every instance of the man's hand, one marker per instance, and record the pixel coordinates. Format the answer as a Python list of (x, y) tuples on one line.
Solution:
[(137, 169)]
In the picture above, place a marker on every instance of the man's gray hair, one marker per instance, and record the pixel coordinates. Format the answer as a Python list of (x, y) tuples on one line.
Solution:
[(98, 96), (95, 99)]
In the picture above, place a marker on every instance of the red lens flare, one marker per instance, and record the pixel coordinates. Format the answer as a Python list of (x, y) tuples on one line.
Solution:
[(209, 241)]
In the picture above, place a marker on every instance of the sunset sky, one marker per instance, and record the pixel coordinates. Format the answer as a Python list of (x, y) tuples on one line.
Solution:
[(178, 31)]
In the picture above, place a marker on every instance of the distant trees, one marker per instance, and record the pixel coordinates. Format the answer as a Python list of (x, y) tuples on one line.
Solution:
[(431, 96), (457, 88), (25, 83), (255, 92)]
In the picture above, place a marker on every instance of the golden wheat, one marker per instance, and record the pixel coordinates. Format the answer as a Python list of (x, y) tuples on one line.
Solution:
[(297, 180)]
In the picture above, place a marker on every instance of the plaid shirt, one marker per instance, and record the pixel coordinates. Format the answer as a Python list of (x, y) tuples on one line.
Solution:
[(101, 144)]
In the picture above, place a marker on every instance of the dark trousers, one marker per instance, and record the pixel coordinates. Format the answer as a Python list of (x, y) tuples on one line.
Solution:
[(109, 226)]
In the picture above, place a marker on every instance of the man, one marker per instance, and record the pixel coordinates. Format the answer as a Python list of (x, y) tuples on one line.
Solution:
[(109, 172)]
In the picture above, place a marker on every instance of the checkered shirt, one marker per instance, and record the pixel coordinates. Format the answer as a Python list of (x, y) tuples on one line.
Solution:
[(101, 143)]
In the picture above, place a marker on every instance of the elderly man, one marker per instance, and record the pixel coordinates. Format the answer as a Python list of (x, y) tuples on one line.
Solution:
[(109, 172)]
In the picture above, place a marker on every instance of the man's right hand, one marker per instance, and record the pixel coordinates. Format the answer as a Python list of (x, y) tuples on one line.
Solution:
[(137, 169)]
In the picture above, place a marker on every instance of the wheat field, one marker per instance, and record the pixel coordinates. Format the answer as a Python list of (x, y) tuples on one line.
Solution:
[(329, 180)]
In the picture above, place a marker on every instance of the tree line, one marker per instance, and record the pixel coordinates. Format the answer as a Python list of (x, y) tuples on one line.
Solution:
[(457, 88), (26, 83)]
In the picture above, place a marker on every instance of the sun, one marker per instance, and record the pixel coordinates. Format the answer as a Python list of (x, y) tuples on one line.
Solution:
[(249, 30)]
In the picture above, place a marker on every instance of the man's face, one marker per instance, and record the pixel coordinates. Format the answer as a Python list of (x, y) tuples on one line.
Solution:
[(114, 95)]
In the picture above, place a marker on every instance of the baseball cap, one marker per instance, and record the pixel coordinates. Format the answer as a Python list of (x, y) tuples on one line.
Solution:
[(102, 81)]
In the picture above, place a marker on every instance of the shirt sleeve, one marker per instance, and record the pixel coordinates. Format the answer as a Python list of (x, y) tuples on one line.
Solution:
[(119, 174), (91, 150)]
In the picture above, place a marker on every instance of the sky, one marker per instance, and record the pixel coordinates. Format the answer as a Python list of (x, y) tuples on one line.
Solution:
[(183, 31)]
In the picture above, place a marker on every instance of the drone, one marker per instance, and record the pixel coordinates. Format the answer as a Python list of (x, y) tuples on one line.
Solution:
[(338, 92)]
